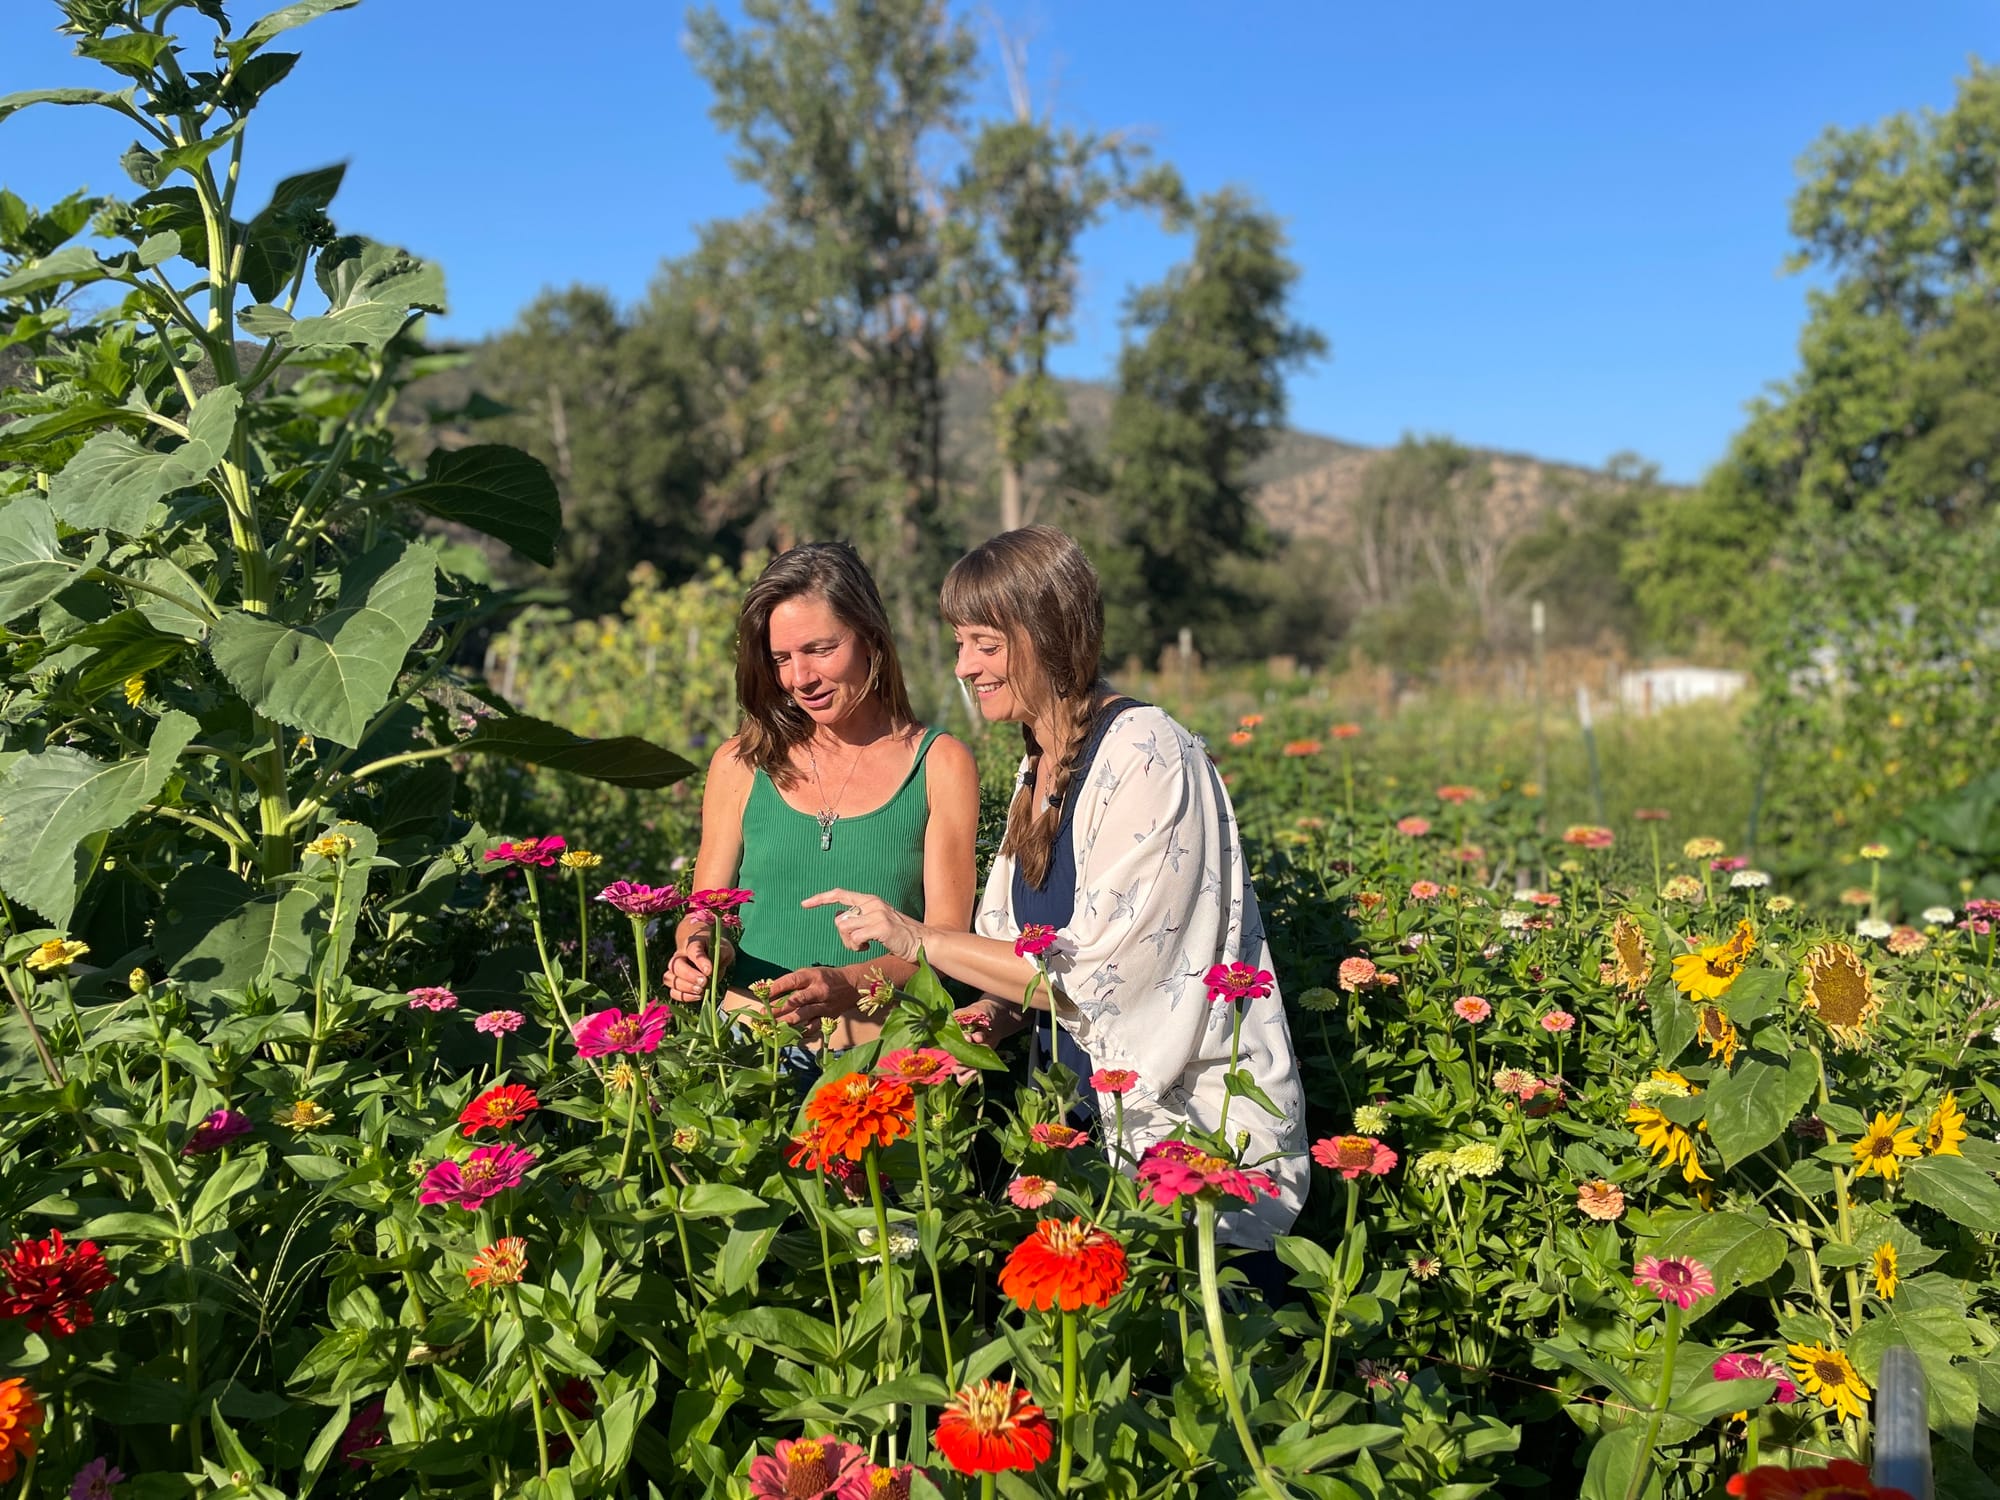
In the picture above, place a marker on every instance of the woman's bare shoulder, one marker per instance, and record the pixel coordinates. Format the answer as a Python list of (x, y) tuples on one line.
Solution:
[(727, 769), (951, 768)]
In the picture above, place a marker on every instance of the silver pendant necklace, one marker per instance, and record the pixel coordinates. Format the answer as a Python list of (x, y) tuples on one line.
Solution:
[(826, 817)]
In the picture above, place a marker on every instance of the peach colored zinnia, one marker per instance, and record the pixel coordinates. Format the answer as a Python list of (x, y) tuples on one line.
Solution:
[(1600, 1200), (1471, 1008)]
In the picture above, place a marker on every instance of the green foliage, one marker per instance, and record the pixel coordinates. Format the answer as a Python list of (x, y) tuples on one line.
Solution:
[(1200, 393)]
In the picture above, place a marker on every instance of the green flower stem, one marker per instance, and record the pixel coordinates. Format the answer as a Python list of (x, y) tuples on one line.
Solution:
[(582, 929), (548, 968), (1653, 831), (881, 1228), (937, 1279), (923, 1151), (1665, 1394), (1353, 1202), (321, 975), (1844, 1208), (639, 953), (1218, 1345), (535, 1391), (1068, 1402), (499, 1052), (631, 1123), (986, 1490), (410, 1276), (825, 1255), (1235, 1044), (1180, 1291)]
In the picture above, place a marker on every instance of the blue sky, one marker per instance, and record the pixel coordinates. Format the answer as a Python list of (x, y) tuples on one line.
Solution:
[(1550, 227)]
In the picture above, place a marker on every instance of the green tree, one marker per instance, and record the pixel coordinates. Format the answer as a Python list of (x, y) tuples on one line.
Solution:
[(1201, 394)]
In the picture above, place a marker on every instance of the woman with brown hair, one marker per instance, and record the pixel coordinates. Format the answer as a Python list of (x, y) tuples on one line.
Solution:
[(1121, 837), (830, 780)]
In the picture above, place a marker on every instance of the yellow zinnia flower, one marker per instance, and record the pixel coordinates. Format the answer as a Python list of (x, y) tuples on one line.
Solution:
[(330, 845), (1883, 1147), (304, 1115), (1826, 1373), (1884, 1264), (581, 859), (1945, 1128), (135, 689), (1705, 974), (56, 953)]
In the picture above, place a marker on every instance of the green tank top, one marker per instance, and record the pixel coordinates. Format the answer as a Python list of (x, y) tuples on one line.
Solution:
[(880, 853)]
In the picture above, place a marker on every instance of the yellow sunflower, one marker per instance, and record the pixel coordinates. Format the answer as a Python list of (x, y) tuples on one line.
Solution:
[(1839, 991), (1712, 969), (1883, 1146), (1884, 1264), (1826, 1373), (1632, 955), (56, 954), (1718, 1034), (1945, 1128), (1670, 1143)]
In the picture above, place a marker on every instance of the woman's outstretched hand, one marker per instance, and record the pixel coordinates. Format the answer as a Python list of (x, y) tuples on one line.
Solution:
[(809, 995), (870, 919), (689, 968)]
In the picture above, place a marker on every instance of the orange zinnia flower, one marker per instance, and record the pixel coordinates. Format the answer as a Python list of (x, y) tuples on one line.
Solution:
[(502, 1263), (498, 1108), (989, 1427), (855, 1112), (1065, 1264), (1303, 747), (20, 1414)]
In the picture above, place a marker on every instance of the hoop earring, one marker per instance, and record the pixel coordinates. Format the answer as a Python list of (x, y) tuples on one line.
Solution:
[(874, 671)]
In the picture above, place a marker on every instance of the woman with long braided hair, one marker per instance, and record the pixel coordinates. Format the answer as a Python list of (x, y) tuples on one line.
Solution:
[(1122, 839)]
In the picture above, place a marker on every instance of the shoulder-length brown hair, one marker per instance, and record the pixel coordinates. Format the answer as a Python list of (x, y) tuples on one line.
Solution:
[(1037, 588), (772, 723)]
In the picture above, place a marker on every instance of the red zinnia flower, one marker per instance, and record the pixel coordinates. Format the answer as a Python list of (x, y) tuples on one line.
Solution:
[(1172, 1170), (1066, 1264), (1345, 731), (367, 1428), (989, 1427), (1353, 1155), (502, 1263), (1301, 748), (1678, 1279), (855, 1112), (1355, 973), (1237, 981), (51, 1284), (1414, 828), (1471, 1008), (1843, 1479), (1031, 1192), (1113, 1080), (217, 1129), (1456, 795), (723, 902), (891, 1483), (538, 853), (1036, 938), (498, 1108)]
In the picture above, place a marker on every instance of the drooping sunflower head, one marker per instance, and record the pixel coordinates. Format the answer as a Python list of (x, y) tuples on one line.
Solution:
[(1883, 1263), (1945, 1128), (1718, 1034), (1840, 992), (1632, 955)]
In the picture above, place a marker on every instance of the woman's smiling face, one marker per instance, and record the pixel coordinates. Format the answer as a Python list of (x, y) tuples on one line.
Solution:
[(996, 670), (821, 662)]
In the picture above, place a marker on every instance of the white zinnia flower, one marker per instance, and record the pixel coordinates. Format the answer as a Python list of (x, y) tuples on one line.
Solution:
[(903, 1243), (1872, 927), (1937, 916), (1753, 879)]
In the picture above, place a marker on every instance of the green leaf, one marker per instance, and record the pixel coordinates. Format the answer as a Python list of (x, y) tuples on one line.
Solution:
[(624, 761), (31, 435), (228, 1182), (14, 103), (1962, 1192), (786, 1331), (372, 290), (78, 265), (33, 567), (1708, 1399), (1754, 995), (216, 932), (158, 248), (494, 489), (1241, 1084), (1614, 1465), (1750, 1106), (1740, 1248), (275, 241), (113, 484), (333, 677), (58, 799), (1312, 1452), (135, 53), (122, 646), (280, 21), (703, 1200), (233, 1453), (1674, 1022)]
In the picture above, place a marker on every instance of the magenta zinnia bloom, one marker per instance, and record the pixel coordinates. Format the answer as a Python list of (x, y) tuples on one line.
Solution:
[(1678, 1279), (521, 853), (642, 900), (811, 1469), (1113, 1080), (1172, 1170), (1471, 1008), (217, 1129), (920, 1065), (1036, 938), (722, 901), (494, 1022), (1756, 1367), (96, 1480), (1031, 1192), (432, 997), (614, 1031), (489, 1170), (1234, 982)]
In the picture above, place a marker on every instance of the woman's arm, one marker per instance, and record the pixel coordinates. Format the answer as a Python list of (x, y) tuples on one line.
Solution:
[(715, 866), (950, 872), (989, 963)]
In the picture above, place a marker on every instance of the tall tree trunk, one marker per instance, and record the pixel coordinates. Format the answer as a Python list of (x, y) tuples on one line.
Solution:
[(1012, 515)]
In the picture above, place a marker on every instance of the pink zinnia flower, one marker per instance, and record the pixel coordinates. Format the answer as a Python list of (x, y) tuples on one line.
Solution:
[(821, 1468), (1113, 1080), (1058, 1137), (1678, 1279), (1585, 836), (1456, 794), (1036, 939), (916, 1065), (1517, 1083), (432, 997), (642, 900), (537, 853), (1353, 1155), (1031, 1192), (1471, 1008), (614, 1031), (1172, 1170), (367, 1428), (1414, 828), (1356, 973), (1544, 898), (1649, 815), (217, 1129), (723, 901), (495, 1022), (488, 1171), (96, 1480), (1757, 1367), (1555, 1022), (1239, 981), (1468, 854), (1425, 890)]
